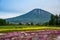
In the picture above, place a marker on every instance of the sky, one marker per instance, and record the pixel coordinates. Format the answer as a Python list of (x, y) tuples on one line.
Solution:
[(13, 8)]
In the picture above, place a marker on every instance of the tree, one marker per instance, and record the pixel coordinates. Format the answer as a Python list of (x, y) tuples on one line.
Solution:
[(59, 20), (20, 24), (56, 19), (52, 20), (2, 22), (46, 23), (37, 24), (29, 23), (32, 23)]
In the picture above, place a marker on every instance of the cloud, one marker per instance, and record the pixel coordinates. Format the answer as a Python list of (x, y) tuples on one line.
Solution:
[(8, 15), (24, 6)]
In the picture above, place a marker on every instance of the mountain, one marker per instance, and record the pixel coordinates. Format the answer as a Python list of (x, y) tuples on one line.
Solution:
[(34, 16)]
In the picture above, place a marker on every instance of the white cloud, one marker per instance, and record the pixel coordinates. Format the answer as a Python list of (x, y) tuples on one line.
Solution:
[(8, 15), (24, 6)]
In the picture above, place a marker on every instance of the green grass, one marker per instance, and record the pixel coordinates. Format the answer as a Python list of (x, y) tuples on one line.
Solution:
[(26, 27)]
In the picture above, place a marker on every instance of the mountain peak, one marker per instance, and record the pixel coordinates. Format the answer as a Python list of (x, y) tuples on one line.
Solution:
[(36, 9), (36, 16)]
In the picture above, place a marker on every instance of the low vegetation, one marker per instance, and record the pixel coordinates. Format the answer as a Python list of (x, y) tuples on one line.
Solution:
[(25, 27)]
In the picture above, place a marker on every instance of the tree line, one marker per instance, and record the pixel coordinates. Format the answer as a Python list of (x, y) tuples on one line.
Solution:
[(3, 22), (54, 20)]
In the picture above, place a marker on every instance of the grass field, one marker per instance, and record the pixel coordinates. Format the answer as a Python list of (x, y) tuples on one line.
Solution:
[(26, 27)]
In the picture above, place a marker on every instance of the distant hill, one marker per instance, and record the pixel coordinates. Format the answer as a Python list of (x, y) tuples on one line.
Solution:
[(34, 16)]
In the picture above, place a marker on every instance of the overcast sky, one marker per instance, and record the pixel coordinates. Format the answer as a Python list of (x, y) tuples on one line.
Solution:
[(12, 8)]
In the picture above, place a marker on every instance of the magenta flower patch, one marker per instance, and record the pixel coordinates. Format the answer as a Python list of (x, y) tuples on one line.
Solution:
[(31, 35)]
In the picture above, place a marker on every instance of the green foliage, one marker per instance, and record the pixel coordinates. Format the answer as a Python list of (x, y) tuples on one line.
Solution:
[(3, 22), (38, 24), (29, 23), (52, 20), (32, 23), (20, 24), (46, 23), (55, 20)]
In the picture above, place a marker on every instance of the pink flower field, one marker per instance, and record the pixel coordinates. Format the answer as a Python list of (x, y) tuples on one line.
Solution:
[(31, 35)]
